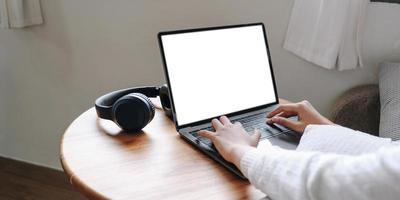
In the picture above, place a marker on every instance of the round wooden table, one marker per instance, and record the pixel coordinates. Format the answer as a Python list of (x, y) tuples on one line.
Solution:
[(102, 162)]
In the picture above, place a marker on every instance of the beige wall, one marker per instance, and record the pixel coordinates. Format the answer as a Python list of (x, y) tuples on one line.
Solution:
[(50, 74)]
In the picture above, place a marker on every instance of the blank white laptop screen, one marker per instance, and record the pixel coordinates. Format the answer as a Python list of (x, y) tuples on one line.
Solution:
[(217, 72)]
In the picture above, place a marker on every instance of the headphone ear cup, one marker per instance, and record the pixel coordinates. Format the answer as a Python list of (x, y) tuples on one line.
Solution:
[(150, 104), (133, 112), (165, 102)]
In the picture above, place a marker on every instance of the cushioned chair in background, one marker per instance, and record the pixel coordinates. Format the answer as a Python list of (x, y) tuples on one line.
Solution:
[(373, 109), (359, 109)]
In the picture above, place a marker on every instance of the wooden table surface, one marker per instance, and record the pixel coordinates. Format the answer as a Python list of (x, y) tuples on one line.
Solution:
[(102, 162)]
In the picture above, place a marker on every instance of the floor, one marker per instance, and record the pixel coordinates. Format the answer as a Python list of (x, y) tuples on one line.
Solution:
[(20, 181)]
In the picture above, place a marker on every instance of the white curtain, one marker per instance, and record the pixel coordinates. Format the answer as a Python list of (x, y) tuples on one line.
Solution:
[(20, 13), (327, 32)]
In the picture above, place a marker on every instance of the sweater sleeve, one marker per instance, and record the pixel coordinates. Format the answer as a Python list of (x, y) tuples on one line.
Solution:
[(339, 140), (286, 174)]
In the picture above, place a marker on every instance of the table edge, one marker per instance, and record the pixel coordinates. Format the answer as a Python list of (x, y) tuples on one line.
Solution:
[(74, 180)]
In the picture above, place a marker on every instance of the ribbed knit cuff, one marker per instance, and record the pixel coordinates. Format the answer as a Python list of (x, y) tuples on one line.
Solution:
[(248, 160), (251, 157)]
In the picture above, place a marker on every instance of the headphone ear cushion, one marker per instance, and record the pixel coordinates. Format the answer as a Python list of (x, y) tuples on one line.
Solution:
[(133, 112), (152, 107)]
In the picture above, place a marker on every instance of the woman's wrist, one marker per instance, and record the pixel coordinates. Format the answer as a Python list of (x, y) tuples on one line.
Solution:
[(238, 152)]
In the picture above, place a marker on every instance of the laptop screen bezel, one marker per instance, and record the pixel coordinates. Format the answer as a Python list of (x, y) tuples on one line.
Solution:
[(160, 34)]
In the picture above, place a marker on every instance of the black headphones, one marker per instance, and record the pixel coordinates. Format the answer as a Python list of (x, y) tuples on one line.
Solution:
[(131, 108)]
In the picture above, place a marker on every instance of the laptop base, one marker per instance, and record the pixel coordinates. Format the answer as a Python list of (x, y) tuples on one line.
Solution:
[(285, 141)]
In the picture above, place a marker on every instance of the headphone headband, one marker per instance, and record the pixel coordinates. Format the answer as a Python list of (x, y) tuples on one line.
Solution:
[(104, 103)]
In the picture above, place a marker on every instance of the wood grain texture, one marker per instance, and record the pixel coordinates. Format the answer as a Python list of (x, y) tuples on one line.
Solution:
[(103, 162)]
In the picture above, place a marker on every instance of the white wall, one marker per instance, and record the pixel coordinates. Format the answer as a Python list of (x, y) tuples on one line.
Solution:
[(50, 74)]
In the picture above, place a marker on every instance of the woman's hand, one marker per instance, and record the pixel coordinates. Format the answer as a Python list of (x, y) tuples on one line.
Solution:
[(305, 112), (231, 140)]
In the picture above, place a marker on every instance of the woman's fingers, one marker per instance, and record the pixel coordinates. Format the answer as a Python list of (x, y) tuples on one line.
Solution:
[(208, 134), (255, 137), (286, 114), (294, 125), (283, 114), (225, 120), (289, 108), (216, 124), (238, 123)]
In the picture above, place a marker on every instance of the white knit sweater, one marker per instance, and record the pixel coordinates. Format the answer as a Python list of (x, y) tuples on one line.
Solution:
[(331, 162)]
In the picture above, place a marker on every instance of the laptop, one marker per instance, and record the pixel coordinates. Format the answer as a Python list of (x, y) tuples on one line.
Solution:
[(218, 71)]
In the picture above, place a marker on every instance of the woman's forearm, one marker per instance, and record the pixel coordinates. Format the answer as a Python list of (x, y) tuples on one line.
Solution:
[(285, 174)]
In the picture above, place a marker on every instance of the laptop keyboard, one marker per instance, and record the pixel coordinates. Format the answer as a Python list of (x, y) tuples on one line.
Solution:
[(249, 123)]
